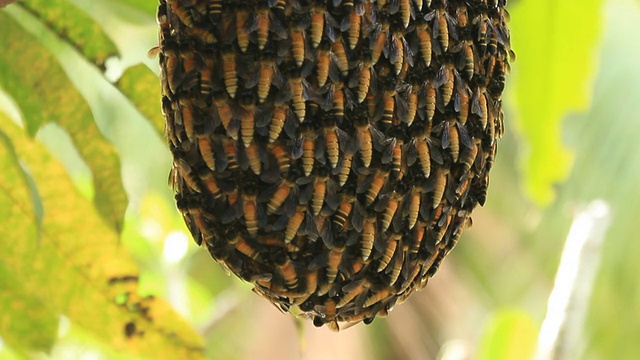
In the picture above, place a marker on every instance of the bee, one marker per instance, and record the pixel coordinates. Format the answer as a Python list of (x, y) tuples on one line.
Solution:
[(265, 77), (323, 63), (211, 184), (185, 173), (204, 35), (465, 48), (413, 206), (394, 271), (214, 9), (377, 297), (482, 22), (253, 158), (430, 100), (282, 158), (297, 45), (250, 213), (225, 113), (439, 186), (461, 103), (364, 80), (244, 247), (389, 250), (305, 148), (247, 119), (229, 72), (185, 113), (388, 106), (337, 91), (479, 107), (242, 28), (231, 153), (333, 137), (206, 151), (297, 85), (340, 56), (287, 270), (394, 156), (344, 211), (411, 104), (423, 153), (365, 142), (280, 195), (344, 169), (462, 18), (373, 185), (278, 119), (416, 236), (294, 223), (319, 193), (390, 207), (335, 258), (445, 79), (352, 23), (378, 40), (317, 25), (440, 27), (352, 290), (328, 315), (368, 237), (405, 12), (262, 25), (182, 13)]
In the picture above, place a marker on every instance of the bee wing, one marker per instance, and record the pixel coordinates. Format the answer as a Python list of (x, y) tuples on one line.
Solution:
[(445, 136), (408, 52), (235, 211), (281, 223), (309, 227), (221, 158), (436, 154), (475, 104), (262, 215), (334, 70), (380, 141), (410, 152), (330, 25), (387, 154), (297, 149), (263, 116), (357, 217), (465, 138), (319, 151), (277, 27), (327, 235), (383, 200), (402, 107)]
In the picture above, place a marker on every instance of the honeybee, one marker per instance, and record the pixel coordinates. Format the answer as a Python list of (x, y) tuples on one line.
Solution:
[(183, 171), (397, 51), (225, 114), (278, 119), (405, 12), (333, 137), (461, 103), (373, 184), (445, 80), (346, 160), (364, 80), (441, 28), (317, 25), (251, 213), (378, 40), (320, 185), (265, 77), (388, 205), (482, 39), (245, 247), (206, 151), (409, 101), (394, 270), (243, 28), (185, 113), (297, 45), (465, 48), (352, 290), (211, 184), (343, 212), (419, 4), (340, 56), (389, 251), (352, 24), (365, 141), (184, 14), (294, 223), (417, 235), (229, 72), (251, 158), (323, 61), (214, 9), (439, 186), (368, 237), (462, 18), (393, 156), (287, 270), (430, 100), (479, 107), (247, 119), (305, 148), (280, 195), (298, 97), (335, 258), (282, 158), (469, 156), (413, 206), (377, 296), (262, 26)]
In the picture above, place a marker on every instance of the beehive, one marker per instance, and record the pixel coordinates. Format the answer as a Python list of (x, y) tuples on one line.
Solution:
[(331, 152)]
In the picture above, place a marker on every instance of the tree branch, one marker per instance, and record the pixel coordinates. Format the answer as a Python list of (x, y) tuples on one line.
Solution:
[(4, 3)]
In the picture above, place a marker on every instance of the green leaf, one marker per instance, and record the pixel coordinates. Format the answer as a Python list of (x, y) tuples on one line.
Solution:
[(43, 92), (79, 269), (147, 6), (556, 45), (17, 211), (142, 87), (75, 27), (510, 334)]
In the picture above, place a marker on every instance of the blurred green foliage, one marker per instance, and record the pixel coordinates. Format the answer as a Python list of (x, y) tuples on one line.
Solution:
[(570, 116)]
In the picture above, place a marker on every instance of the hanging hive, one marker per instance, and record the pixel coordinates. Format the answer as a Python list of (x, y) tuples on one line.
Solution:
[(331, 152)]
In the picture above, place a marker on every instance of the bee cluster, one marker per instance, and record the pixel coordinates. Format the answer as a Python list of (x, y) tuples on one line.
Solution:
[(331, 152)]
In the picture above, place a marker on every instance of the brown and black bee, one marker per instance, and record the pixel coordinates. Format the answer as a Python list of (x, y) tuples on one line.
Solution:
[(332, 152)]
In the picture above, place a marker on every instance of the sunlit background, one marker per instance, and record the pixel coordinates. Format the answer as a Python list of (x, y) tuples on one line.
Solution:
[(489, 298)]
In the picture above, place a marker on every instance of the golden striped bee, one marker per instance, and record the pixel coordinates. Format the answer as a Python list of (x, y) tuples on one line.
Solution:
[(331, 152)]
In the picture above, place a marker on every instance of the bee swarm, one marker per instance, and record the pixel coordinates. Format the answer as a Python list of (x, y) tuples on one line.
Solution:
[(331, 152)]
